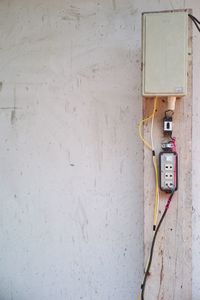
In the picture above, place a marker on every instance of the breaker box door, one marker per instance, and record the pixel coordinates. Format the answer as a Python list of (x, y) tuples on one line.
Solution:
[(165, 53)]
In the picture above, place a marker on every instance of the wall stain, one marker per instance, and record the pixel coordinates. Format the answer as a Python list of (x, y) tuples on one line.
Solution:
[(72, 14), (83, 221), (134, 11), (161, 274), (121, 166), (13, 117), (114, 4), (171, 4)]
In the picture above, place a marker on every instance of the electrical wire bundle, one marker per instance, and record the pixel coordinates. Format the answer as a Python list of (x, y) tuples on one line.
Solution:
[(170, 146), (156, 204)]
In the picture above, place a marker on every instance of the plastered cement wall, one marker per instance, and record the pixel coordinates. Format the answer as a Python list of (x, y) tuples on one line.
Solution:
[(71, 206)]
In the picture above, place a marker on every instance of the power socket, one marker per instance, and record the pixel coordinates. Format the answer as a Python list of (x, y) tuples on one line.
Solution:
[(168, 171)]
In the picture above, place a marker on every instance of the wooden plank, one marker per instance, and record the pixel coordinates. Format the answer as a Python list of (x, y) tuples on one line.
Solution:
[(171, 271)]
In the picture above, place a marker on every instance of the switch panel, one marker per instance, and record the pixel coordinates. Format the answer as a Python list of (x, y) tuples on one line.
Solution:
[(167, 125), (165, 53), (168, 171)]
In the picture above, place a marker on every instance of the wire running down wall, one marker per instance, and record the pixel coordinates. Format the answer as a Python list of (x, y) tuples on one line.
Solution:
[(170, 274)]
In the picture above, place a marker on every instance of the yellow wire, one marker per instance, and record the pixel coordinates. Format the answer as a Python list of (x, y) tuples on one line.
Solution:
[(149, 146), (140, 133), (145, 120), (156, 203)]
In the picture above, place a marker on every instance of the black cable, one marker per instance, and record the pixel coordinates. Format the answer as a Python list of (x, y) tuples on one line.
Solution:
[(196, 24), (195, 20), (193, 17), (152, 245)]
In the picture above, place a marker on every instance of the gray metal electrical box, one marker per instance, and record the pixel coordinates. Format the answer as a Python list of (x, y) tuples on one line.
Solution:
[(165, 53)]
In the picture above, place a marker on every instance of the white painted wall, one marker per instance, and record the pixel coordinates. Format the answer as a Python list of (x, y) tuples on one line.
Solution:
[(71, 216)]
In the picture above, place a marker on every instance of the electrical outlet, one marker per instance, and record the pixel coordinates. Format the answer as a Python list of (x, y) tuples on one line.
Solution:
[(169, 175), (169, 167), (168, 184), (168, 170)]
